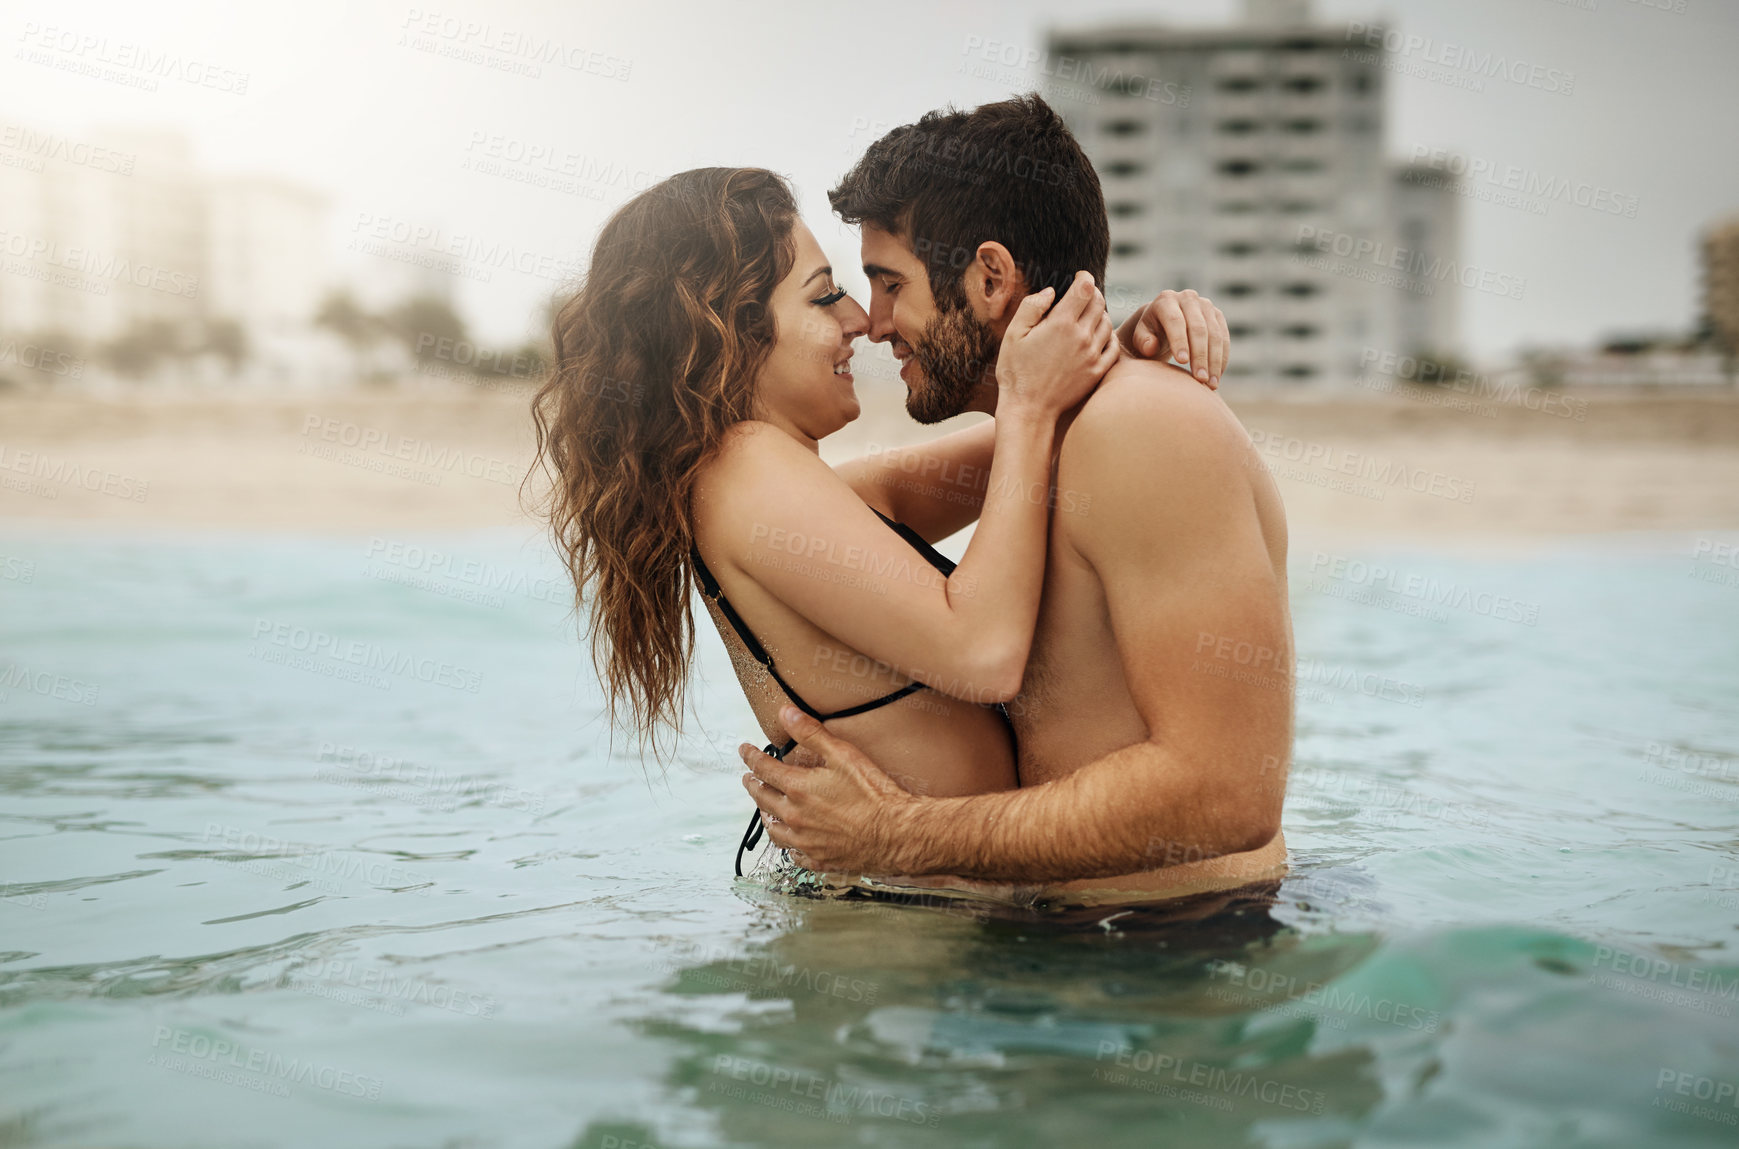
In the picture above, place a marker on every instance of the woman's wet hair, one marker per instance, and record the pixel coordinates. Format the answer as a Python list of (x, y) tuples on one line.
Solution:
[(655, 357)]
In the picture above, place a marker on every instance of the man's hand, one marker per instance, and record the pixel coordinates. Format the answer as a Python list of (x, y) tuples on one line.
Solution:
[(1184, 326), (842, 815)]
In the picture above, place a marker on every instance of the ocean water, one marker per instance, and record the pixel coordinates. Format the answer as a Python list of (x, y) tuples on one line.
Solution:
[(323, 842)]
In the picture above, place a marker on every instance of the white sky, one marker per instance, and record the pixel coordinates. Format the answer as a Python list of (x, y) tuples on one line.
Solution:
[(334, 99)]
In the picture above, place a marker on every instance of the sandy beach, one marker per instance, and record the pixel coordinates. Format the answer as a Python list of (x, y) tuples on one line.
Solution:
[(1422, 466)]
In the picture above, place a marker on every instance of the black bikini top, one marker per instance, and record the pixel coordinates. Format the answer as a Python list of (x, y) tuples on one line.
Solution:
[(710, 587)]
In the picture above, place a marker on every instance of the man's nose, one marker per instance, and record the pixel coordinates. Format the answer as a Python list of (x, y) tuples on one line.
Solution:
[(881, 321)]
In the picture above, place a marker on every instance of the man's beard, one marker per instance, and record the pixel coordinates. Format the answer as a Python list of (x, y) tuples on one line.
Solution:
[(953, 354)]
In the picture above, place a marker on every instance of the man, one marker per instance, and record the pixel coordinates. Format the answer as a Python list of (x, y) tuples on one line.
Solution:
[(1154, 721)]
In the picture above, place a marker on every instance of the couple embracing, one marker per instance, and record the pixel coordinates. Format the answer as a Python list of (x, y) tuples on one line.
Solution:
[(1056, 718)]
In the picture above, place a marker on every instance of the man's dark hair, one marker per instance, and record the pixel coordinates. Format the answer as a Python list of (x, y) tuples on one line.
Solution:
[(1009, 171)]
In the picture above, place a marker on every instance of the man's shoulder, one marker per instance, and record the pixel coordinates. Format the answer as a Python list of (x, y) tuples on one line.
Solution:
[(1154, 410)]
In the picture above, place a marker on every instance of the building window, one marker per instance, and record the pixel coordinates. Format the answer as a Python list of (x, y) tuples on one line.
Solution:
[(1299, 331), (1298, 371), (1239, 127), (1238, 248), (1303, 127), (1239, 168), (1125, 250), (1124, 168), (1239, 85), (1125, 210), (1237, 290), (1303, 84), (1302, 290), (1124, 127), (1240, 330)]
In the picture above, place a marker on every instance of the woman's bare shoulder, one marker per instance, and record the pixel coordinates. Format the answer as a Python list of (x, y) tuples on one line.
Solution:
[(752, 449), (755, 461)]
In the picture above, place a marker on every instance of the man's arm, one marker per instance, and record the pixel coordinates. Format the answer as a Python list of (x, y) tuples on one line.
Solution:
[(936, 488), (1176, 541)]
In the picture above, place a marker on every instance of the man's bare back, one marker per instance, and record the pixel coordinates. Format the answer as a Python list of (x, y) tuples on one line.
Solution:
[(1075, 704)]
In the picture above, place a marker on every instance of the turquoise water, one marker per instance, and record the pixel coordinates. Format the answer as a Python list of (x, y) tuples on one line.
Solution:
[(256, 893)]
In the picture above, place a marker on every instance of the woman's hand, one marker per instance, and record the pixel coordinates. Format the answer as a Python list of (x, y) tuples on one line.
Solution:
[(1184, 326), (1051, 362)]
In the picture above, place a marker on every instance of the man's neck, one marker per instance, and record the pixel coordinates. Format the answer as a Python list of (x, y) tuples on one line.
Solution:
[(988, 394)]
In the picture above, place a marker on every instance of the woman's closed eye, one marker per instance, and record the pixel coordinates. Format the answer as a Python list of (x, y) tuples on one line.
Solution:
[(830, 298)]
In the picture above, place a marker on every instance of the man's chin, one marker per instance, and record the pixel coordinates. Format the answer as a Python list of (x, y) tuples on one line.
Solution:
[(924, 405), (920, 413)]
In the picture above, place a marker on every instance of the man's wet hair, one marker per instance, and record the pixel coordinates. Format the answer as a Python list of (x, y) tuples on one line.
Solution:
[(1009, 171)]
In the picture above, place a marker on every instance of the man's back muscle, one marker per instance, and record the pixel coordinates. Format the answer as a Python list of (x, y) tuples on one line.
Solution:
[(1151, 427)]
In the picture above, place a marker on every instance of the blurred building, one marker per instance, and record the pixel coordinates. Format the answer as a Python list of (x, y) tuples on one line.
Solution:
[(1721, 282), (158, 218), (107, 236), (1670, 361), (266, 252), (1426, 218), (101, 234), (1247, 162)]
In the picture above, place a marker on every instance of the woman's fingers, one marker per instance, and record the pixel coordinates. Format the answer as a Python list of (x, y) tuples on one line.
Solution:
[(1079, 297), (1030, 312), (1168, 318), (1222, 345), (1108, 356), (1196, 327)]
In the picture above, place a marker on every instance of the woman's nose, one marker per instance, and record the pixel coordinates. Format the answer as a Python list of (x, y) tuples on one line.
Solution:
[(856, 319)]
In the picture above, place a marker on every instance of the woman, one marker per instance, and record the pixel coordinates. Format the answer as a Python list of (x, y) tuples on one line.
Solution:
[(705, 356)]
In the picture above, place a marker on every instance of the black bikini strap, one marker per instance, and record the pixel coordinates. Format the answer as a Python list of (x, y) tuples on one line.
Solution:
[(878, 703), (752, 835), (710, 586), (920, 544)]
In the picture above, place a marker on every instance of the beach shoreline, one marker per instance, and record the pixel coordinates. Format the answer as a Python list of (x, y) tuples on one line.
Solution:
[(1410, 466)]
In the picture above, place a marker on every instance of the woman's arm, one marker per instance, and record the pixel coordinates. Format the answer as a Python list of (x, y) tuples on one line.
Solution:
[(781, 518)]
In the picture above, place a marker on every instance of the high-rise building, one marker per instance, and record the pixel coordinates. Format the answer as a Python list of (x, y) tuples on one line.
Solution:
[(1426, 238), (1721, 282), (1247, 162)]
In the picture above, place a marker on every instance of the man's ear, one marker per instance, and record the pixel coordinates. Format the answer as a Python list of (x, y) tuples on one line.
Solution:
[(994, 284)]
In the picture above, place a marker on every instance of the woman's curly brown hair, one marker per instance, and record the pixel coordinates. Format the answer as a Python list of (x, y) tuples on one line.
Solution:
[(656, 356)]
